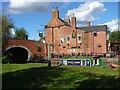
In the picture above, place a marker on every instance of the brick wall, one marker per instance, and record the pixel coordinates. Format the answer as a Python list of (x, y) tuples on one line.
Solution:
[(56, 29), (32, 46)]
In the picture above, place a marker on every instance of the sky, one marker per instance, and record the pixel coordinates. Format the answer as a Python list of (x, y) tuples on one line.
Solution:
[(34, 15)]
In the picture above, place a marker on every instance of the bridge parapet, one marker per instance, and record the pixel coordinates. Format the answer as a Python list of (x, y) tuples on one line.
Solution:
[(34, 47)]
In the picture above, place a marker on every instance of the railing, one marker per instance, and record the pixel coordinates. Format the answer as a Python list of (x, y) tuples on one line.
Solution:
[(109, 55)]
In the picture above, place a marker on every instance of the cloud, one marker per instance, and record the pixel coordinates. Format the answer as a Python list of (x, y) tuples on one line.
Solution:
[(22, 6), (64, 5), (112, 25), (88, 11)]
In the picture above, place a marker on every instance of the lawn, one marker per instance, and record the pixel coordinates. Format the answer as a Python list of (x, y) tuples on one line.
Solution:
[(70, 77)]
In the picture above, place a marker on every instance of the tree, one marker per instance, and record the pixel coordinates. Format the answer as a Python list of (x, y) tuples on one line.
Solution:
[(21, 33), (114, 36), (42, 38), (0, 37), (6, 24)]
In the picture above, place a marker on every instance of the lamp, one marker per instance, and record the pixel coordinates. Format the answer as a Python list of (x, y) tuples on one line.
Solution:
[(40, 34)]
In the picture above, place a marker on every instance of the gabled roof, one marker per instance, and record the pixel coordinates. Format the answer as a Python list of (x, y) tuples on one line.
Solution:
[(64, 22), (94, 28), (58, 22)]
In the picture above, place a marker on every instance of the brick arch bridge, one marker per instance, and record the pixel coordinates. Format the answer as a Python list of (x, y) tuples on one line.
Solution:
[(24, 50)]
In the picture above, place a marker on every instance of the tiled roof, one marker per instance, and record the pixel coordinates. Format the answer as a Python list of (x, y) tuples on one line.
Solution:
[(64, 22), (94, 28)]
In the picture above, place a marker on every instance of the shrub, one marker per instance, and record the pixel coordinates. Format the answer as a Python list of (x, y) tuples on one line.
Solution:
[(6, 59), (37, 60)]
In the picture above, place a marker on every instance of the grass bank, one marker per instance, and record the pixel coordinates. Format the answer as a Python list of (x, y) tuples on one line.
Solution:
[(68, 77)]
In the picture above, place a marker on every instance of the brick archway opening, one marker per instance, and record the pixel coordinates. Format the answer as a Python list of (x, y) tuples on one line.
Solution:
[(18, 54)]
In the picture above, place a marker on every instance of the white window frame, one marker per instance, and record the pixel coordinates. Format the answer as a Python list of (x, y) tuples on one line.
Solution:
[(61, 39), (67, 38), (79, 41)]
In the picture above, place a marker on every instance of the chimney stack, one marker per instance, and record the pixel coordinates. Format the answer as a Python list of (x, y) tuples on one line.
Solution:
[(88, 23), (73, 22), (55, 13), (68, 20)]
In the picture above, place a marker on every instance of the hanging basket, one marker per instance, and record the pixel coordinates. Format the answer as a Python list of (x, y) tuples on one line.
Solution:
[(99, 46), (64, 46)]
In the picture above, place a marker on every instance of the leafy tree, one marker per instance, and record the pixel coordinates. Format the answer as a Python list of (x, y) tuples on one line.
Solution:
[(21, 33), (114, 36), (42, 38), (0, 37), (6, 24)]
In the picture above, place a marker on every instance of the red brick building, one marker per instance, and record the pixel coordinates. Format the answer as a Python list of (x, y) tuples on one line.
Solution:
[(66, 38)]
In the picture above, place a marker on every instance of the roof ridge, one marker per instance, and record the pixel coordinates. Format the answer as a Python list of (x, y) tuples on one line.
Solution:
[(91, 26), (63, 21)]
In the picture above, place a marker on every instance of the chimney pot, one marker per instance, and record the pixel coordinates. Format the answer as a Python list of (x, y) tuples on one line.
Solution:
[(73, 15), (57, 8), (68, 19), (53, 8)]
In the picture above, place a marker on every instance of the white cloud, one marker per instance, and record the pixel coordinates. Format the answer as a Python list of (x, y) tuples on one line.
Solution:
[(112, 25), (88, 11), (22, 6)]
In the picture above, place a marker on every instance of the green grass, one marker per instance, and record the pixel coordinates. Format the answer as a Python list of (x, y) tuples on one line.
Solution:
[(69, 77), (17, 67)]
